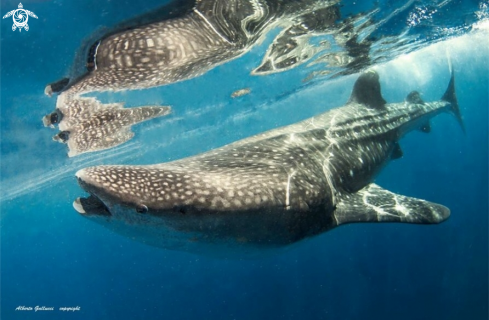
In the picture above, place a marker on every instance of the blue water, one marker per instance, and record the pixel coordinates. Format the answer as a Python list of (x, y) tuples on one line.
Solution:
[(53, 257)]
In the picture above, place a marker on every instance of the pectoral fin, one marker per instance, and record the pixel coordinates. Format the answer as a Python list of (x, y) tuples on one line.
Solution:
[(374, 204)]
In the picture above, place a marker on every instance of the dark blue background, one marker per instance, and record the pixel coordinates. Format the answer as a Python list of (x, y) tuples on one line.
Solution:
[(50, 256)]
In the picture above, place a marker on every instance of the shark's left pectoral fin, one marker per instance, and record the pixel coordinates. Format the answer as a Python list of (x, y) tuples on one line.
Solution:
[(374, 204)]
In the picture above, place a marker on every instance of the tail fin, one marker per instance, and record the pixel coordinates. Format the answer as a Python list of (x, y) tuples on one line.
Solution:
[(451, 97)]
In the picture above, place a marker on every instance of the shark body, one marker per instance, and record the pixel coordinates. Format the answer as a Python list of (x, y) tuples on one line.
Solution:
[(273, 189), (207, 34)]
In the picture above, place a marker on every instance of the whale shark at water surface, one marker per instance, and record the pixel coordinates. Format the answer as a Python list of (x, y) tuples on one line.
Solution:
[(272, 189), (209, 33), (167, 48)]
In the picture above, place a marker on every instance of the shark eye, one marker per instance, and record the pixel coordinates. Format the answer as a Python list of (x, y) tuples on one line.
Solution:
[(141, 208)]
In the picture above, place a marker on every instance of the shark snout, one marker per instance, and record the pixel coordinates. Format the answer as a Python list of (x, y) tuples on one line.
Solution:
[(94, 203), (87, 181), (110, 187)]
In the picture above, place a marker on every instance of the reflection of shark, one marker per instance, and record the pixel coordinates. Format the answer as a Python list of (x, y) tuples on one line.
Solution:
[(186, 46), (164, 48), (152, 51), (272, 189), (87, 125), (292, 46), (74, 110)]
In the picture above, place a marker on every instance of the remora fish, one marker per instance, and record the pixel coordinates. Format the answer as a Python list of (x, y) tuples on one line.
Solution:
[(272, 189)]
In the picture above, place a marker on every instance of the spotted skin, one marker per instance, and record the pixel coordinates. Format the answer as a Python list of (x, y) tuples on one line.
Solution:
[(81, 109), (272, 189), (154, 55), (107, 127), (211, 33), (172, 50)]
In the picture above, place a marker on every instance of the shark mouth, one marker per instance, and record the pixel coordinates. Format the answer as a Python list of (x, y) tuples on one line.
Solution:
[(92, 205)]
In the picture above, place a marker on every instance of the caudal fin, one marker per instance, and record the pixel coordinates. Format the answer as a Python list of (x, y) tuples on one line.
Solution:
[(450, 96)]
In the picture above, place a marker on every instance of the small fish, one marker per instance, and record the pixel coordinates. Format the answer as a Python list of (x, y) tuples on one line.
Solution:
[(240, 92)]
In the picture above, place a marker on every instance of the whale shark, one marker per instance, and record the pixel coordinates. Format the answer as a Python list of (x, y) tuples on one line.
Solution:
[(274, 189), (152, 51), (209, 33)]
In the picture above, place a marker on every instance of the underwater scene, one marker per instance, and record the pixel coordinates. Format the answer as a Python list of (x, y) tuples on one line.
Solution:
[(244, 159)]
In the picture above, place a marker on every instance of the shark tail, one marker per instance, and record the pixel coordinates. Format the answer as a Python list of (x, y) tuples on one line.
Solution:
[(451, 97)]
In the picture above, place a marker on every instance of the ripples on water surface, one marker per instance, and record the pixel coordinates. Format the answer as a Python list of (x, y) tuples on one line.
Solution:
[(306, 47), (53, 257)]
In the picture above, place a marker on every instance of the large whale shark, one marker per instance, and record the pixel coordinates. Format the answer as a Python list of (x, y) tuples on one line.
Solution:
[(272, 189)]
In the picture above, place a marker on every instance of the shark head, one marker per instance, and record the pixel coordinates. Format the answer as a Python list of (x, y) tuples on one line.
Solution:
[(121, 200), (178, 208), (110, 192)]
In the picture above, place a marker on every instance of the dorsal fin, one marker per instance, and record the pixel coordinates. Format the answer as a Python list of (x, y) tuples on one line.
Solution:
[(414, 97), (367, 90)]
